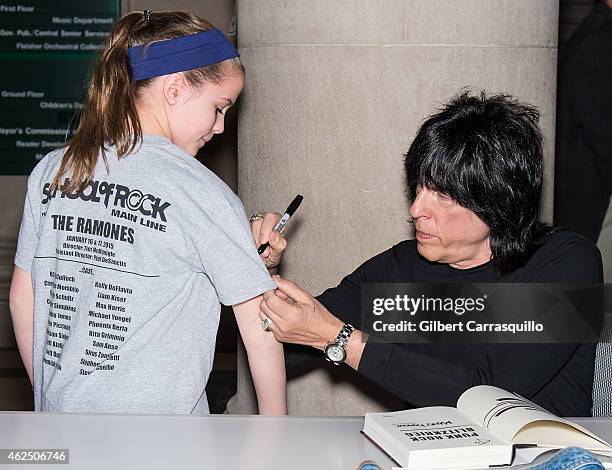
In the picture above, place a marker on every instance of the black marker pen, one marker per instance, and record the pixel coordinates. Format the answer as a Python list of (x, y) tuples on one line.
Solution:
[(283, 220)]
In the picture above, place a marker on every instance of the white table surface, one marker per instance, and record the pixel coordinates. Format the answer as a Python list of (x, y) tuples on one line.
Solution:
[(118, 442)]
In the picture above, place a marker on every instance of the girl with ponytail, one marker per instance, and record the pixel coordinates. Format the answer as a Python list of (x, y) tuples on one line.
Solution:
[(128, 244)]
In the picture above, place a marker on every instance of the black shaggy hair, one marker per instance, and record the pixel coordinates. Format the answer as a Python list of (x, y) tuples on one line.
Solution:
[(486, 154)]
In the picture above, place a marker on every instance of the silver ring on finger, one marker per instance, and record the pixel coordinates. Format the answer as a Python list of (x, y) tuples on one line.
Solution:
[(266, 323), (256, 216)]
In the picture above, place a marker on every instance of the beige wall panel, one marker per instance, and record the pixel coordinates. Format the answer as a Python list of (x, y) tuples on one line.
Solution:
[(478, 22), (482, 22), (322, 22)]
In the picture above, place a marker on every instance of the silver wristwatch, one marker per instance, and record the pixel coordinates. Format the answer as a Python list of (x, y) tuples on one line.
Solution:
[(336, 351)]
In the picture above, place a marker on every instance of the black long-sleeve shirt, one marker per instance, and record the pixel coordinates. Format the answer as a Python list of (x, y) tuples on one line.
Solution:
[(558, 377), (583, 166)]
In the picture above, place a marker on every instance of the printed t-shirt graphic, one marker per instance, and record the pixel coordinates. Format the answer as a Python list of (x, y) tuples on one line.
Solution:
[(128, 275)]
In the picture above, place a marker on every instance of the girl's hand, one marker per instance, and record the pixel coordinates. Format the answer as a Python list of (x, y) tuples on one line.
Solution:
[(261, 227)]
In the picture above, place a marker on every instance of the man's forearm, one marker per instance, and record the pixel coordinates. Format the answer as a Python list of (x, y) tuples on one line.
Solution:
[(354, 348)]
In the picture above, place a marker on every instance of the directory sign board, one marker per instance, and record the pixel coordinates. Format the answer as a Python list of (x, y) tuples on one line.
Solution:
[(47, 48)]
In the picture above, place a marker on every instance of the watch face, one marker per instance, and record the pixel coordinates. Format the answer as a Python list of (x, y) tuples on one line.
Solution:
[(335, 353)]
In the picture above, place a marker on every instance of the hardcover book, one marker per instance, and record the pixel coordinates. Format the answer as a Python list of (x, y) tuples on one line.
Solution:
[(482, 431)]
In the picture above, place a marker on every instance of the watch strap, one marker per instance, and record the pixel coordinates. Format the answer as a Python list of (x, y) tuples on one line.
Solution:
[(344, 335)]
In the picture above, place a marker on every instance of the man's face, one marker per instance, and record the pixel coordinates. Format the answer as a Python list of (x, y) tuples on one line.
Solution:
[(447, 232)]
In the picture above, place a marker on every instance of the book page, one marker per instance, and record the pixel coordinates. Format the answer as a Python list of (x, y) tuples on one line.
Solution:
[(507, 414), (555, 434)]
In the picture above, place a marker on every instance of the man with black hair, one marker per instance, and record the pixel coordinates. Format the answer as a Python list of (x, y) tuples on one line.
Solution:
[(475, 173)]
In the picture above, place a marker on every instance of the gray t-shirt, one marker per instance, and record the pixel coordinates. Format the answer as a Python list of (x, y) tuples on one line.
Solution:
[(128, 275)]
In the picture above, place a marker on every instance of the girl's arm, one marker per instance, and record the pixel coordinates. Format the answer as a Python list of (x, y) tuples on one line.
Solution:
[(21, 304), (266, 359)]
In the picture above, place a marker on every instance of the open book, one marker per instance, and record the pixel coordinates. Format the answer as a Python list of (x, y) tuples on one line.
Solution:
[(480, 432)]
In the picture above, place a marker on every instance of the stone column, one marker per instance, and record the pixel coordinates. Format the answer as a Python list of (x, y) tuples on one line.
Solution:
[(335, 92)]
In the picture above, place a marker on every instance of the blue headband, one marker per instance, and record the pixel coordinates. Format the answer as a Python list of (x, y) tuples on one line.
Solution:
[(180, 54)]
